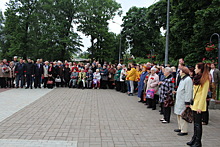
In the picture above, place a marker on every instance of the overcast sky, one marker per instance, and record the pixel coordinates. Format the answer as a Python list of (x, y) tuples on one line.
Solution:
[(113, 27)]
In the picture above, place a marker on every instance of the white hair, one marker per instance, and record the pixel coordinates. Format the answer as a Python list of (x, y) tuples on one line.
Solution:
[(168, 69), (153, 68)]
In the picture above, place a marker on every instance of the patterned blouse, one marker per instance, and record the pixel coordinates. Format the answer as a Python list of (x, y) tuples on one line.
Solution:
[(165, 87)]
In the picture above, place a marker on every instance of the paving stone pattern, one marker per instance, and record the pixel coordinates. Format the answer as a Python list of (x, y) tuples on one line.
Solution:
[(14, 100), (99, 118)]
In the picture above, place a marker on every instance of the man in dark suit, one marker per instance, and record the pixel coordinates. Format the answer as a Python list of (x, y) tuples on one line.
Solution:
[(30, 73), (38, 73), (20, 72)]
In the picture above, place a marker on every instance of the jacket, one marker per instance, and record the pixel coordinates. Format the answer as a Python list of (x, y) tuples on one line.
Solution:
[(132, 74), (20, 68), (165, 87), (123, 72), (46, 70), (199, 96), (38, 70), (30, 68), (96, 76), (216, 76), (117, 75), (152, 82), (138, 75), (183, 95), (141, 84)]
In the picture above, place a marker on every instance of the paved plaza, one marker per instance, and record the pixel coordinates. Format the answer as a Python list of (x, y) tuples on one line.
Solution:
[(89, 118)]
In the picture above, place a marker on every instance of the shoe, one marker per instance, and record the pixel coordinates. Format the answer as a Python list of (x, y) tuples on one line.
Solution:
[(149, 107), (182, 134), (131, 94), (164, 122), (140, 101), (161, 113), (153, 108), (162, 119), (197, 144), (203, 123), (27, 88), (177, 130), (31, 88)]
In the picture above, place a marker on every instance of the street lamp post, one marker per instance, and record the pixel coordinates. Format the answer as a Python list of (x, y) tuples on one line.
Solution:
[(119, 52), (167, 33), (216, 34)]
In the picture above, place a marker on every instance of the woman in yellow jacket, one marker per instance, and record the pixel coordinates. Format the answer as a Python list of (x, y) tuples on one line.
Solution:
[(200, 91), (132, 77)]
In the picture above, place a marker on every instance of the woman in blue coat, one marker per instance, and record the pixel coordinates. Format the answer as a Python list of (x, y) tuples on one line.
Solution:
[(141, 83)]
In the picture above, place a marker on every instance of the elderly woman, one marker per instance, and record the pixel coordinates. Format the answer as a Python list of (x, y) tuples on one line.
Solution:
[(96, 79), (89, 77), (82, 79), (141, 83), (74, 76), (183, 97), (166, 88), (152, 83)]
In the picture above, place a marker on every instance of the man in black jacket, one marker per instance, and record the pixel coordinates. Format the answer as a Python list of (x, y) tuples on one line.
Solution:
[(38, 73), (29, 73), (20, 71)]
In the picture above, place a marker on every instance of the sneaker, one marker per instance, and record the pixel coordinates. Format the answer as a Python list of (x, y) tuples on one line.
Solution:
[(164, 122), (162, 119)]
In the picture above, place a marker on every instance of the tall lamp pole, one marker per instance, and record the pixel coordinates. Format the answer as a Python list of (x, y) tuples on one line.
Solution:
[(167, 33), (119, 52), (218, 57)]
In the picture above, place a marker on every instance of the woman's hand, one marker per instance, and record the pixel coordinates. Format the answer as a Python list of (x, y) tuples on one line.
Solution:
[(199, 111), (160, 83), (174, 92)]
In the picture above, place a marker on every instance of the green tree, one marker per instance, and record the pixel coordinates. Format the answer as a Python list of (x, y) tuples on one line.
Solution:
[(141, 27), (93, 22)]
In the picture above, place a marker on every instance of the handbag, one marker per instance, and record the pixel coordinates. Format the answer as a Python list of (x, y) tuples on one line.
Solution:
[(123, 77), (169, 102), (49, 82), (187, 115), (58, 80), (150, 93)]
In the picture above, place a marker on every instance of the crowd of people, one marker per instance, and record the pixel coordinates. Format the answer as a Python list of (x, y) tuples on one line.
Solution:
[(153, 84)]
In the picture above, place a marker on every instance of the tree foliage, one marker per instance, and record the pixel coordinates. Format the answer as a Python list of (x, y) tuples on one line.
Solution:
[(191, 25)]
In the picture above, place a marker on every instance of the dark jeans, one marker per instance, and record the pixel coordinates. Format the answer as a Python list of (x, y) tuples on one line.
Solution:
[(167, 113), (10, 82), (128, 86), (2, 82), (45, 81), (205, 115), (197, 136), (29, 80), (18, 78), (118, 85), (123, 87), (37, 82)]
